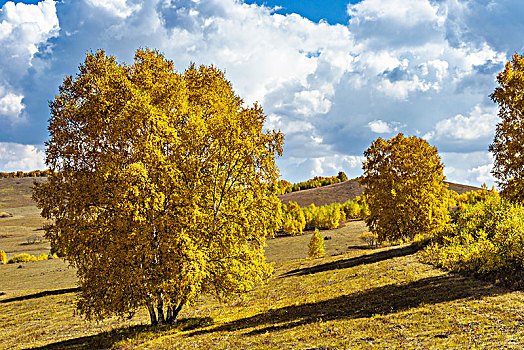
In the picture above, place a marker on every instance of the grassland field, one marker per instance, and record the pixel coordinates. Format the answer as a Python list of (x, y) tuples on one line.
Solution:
[(353, 298)]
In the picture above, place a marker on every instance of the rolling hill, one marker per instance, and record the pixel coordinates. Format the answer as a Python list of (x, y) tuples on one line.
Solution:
[(344, 191), (356, 297)]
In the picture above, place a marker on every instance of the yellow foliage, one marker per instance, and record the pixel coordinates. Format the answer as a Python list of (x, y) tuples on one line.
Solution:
[(316, 245), (162, 186), (369, 237), (488, 238), (404, 188), (27, 257), (294, 220), (507, 147), (3, 257)]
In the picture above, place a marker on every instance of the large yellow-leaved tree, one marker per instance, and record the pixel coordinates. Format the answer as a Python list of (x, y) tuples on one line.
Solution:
[(163, 185), (404, 188), (508, 145)]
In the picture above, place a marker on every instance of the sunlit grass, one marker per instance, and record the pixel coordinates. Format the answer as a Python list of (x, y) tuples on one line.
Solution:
[(383, 298), (355, 297)]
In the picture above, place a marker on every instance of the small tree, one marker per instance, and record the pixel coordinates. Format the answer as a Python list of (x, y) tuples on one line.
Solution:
[(3, 257), (316, 245), (508, 145), (404, 188), (369, 237), (342, 176), (294, 220)]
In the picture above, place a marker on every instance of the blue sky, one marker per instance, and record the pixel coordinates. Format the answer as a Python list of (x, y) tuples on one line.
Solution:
[(332, 75), (333, 12)]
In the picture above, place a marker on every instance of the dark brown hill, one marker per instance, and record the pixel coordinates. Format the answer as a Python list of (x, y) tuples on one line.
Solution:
[(341, 192)]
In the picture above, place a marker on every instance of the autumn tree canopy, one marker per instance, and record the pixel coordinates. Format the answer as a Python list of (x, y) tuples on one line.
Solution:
[(508, 145), (163, 185), (404, 188)]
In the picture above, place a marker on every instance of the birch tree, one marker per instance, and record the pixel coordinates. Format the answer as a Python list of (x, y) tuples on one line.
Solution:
[(163, 185), (404, 188)]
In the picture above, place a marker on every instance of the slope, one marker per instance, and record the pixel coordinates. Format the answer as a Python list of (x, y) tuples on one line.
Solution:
[(344, 191)]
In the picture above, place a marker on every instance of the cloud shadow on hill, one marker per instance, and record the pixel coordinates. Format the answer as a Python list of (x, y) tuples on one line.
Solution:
[(383, 300), (356, 261)]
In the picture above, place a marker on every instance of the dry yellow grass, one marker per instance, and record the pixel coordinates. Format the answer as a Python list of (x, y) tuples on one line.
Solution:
[(353, 298), (14, 232), (344, 191)]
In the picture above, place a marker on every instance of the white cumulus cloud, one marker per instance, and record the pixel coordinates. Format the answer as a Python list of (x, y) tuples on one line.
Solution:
[(23, 29), (11, 106), (15, 156), (480, 123), (379, 127), (421, 66), (118, 8)]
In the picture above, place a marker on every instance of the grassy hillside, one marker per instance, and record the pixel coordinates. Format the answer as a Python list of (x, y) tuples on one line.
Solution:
[(16, 192), (344, 191), (25, 222), (382, 298), (354, 298)]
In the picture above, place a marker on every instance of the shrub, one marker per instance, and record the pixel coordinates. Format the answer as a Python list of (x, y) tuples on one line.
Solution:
[(27, 257), (34, 239), (4, 214), (20, 258), (352, 210), (57, 251), (369, 237), (316, 245), (3, 257), (486, 240)]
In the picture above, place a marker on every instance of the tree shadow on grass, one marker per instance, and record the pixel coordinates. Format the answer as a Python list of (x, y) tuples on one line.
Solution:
[(41, 294), (360, 260), (381, 300), (106, 340)]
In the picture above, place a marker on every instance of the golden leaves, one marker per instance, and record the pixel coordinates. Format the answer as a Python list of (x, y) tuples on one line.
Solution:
[(164, 183), (508, 144), (404, 188)]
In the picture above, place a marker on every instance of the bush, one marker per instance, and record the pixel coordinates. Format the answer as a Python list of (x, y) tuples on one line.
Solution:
[(57, 251), (34, 239), (20, 258), (486, 240), (352, 210), (316, 245), (27, 257), (369, 237), (3, 257)]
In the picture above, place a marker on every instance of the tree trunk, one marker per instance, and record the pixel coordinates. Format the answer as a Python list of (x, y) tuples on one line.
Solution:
[(169, 315), (177, 310), (152, 314), (160, 308), (173, 312)]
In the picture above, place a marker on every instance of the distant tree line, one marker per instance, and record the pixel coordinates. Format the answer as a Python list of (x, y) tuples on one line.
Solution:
[(317, 181), (20, 174)]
